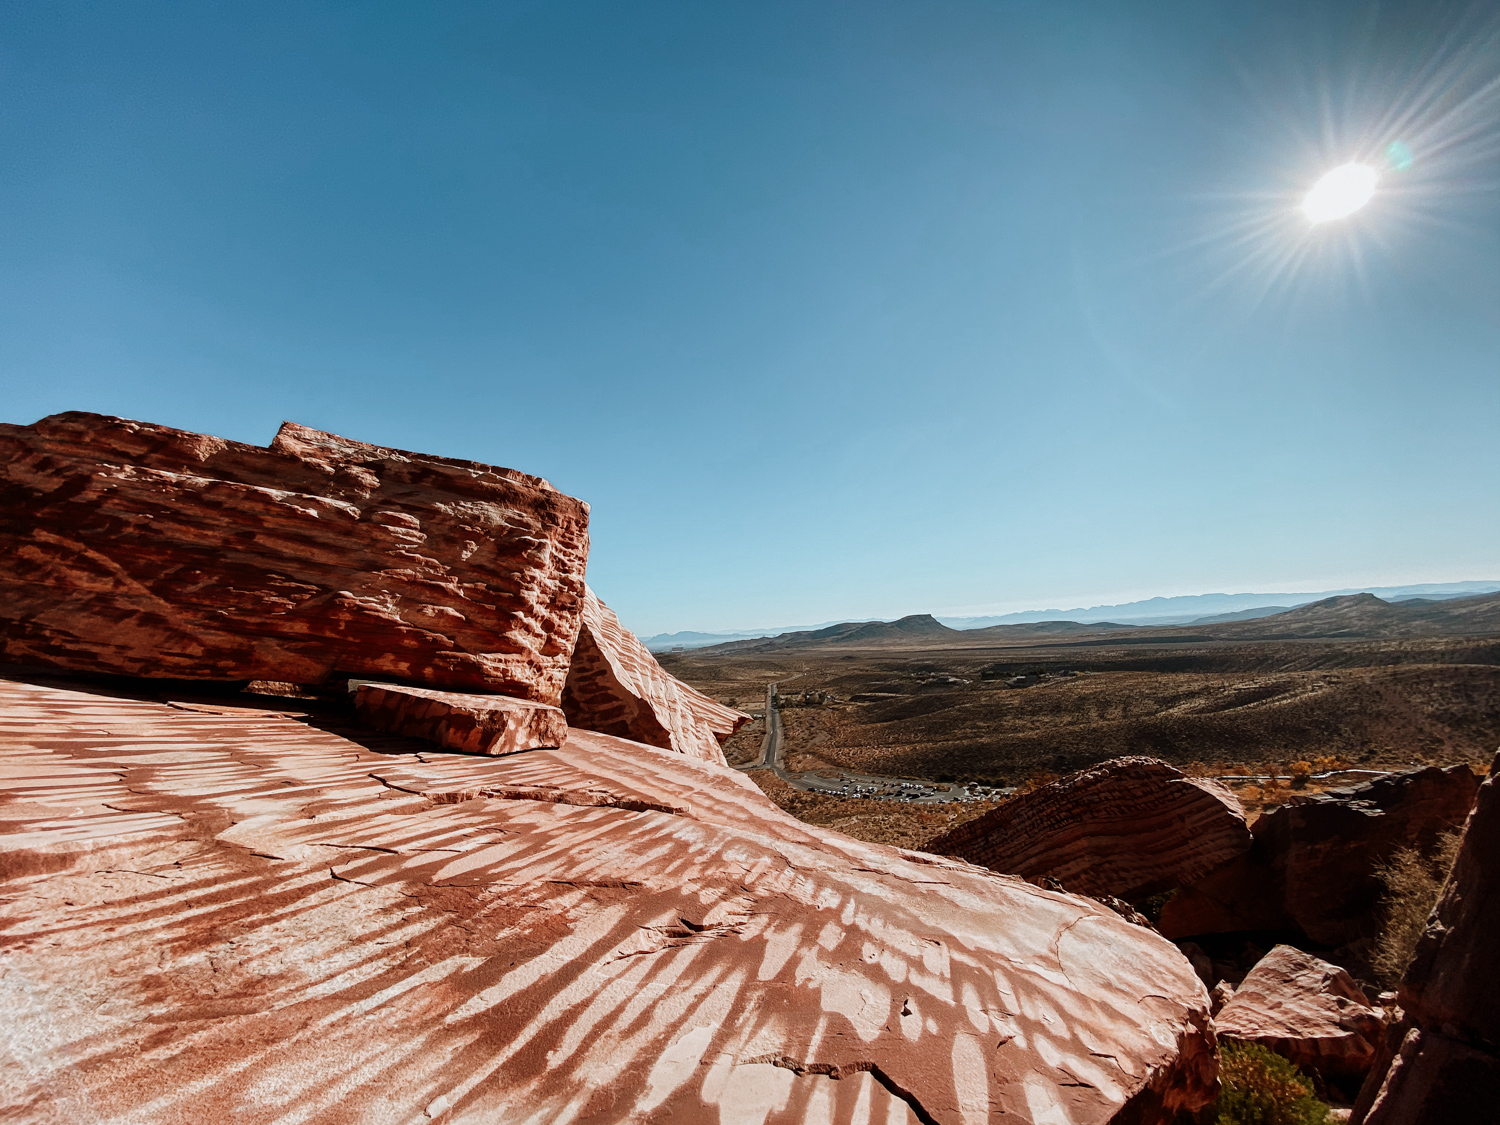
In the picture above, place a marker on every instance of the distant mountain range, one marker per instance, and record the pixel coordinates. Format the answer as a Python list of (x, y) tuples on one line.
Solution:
[(1191, 609), (1194, 608), (1341, 616)]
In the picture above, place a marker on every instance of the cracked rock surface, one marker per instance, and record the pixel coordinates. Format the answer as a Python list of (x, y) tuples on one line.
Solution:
[(213, 916)]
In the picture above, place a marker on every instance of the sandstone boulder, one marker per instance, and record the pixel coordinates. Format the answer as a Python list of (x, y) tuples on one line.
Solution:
[(1306, 1010), (142, 550), (1448, 1065), (239, 916), (476, 724), (1313, 863), (1220, 995), (1128, 827), (615, 686)]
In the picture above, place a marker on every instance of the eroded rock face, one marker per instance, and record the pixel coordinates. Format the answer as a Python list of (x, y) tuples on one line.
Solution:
[(1127, 827), (1324, 847), (142, 550), (1306, 1010), (1313, 863), (615, 686), (216, 916), (1448, 1066), (475, 724)]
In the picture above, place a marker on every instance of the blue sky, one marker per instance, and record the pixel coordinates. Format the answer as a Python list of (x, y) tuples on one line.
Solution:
[(829, 310)]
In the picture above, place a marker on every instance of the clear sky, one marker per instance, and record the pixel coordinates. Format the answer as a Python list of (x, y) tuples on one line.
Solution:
[(830, 310)]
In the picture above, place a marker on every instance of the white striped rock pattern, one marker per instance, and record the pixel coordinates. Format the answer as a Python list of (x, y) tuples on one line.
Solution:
[(240, 916)]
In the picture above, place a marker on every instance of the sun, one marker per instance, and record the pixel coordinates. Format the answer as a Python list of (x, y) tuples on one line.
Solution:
[(1340, 192)]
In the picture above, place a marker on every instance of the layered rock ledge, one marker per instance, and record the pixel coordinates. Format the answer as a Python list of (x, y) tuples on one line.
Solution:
[(474, 724), (1306, 1010), (142, 550), (240, 915)]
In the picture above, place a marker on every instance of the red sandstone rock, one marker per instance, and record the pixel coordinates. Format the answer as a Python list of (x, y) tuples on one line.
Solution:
[(1243, 894), (615, 686), (478, 724), (1448, 1065), (216, 916), (1220, 995), (137, 549), (1128, 827), (1314, 859), (1306, 1010)]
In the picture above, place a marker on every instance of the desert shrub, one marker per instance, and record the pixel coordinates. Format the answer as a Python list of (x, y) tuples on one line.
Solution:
[(1412, 884), (1039, 777), (1262, 1088), (1275, 793)]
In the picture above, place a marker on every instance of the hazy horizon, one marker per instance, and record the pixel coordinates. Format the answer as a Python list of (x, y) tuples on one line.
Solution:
[(1257, 598)]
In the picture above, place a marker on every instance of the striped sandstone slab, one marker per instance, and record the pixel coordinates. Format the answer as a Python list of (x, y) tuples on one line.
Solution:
[(302, 930), (1306, 1010), (1127, 827)]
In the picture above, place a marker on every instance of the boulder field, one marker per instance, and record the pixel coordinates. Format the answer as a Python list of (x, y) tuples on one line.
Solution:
[(216, 912)]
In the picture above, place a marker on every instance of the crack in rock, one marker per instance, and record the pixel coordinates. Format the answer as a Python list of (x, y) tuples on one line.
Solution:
[(838, 1071)]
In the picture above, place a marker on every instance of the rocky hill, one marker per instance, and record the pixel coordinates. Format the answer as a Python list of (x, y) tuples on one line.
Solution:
[(917, 629)]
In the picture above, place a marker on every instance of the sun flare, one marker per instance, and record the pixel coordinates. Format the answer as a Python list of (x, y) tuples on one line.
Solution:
[(1340, 193)]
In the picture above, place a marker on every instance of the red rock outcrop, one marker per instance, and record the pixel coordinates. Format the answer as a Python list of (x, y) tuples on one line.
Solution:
[(1127, 827), (1314, 860), (137, 549), (1306, 1010), (615, 686), (476, 724), (237, 915), (1447, 1068)]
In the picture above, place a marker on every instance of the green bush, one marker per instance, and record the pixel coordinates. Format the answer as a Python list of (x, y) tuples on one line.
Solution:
[(1262, 1088)]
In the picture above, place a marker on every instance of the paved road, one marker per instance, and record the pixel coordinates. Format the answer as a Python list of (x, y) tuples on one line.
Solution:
[(770, 746), (774, 743)]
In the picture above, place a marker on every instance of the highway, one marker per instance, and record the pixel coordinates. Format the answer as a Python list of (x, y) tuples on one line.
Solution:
[(772, 748)]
